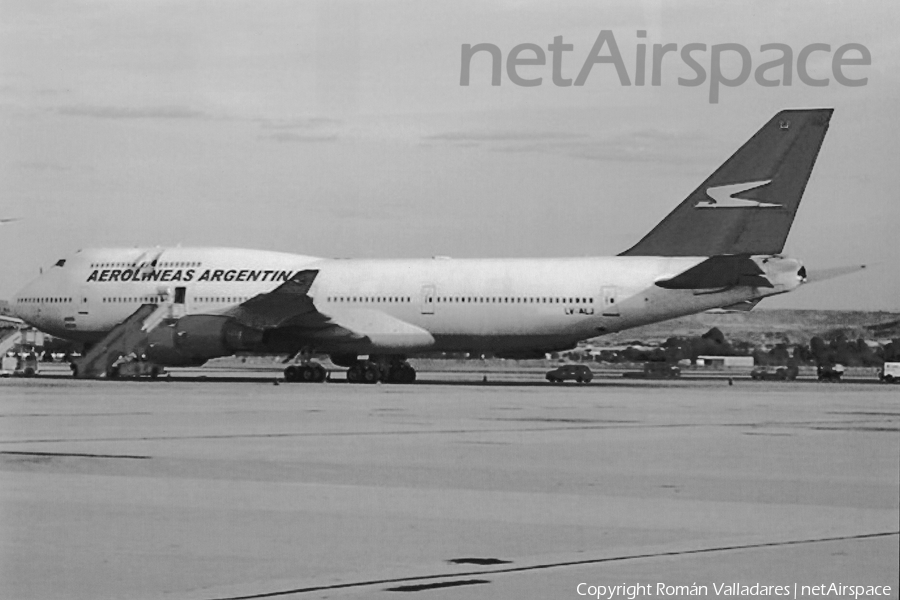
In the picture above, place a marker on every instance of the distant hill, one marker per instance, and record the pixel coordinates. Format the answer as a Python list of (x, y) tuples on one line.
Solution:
[(764, 327)]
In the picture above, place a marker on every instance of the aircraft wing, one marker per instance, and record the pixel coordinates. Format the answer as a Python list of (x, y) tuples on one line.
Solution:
[(290, 306)]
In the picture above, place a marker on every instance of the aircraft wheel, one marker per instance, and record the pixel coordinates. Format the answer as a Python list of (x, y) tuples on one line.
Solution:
[(320, 374), (401, 373), (370, 374), (290, 374), (354, 374), (307, 373)]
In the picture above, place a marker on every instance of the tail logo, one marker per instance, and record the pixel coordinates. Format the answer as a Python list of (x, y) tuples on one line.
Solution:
[(723, 196)]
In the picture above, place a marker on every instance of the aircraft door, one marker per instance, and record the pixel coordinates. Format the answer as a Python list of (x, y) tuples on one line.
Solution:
[(179, 302), (610, 301), (82, 302), (427, 299)]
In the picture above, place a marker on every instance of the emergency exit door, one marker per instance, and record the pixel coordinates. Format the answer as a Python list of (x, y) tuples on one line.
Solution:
[(427, 299), (610, 301)]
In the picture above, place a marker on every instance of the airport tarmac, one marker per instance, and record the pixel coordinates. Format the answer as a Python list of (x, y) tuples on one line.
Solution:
[(452, 489)]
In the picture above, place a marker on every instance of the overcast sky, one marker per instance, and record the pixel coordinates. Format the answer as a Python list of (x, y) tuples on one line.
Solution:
[(339, 128)]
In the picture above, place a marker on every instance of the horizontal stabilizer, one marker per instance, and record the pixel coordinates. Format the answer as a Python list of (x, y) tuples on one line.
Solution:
[(718, 272), (814, 275)]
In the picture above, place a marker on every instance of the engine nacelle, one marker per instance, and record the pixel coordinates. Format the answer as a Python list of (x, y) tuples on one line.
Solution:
[(194, 339), (344, 360)]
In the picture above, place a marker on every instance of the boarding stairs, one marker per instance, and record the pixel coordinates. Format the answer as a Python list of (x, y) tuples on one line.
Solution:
[(128, 337), (9, 341)]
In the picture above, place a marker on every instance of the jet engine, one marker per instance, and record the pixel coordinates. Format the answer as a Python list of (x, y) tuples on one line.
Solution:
[(345, 360), (194, 339)]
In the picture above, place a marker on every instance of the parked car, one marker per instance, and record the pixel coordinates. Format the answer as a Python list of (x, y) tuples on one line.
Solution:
[(830, 373), (661, 370), (777, 374), (655, 370), (579, 373)]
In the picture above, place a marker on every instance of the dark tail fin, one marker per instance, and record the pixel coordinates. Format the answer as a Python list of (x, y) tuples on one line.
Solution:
[(746, 206)]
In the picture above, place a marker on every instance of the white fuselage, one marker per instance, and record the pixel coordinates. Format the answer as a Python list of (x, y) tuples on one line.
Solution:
[(458, 304)]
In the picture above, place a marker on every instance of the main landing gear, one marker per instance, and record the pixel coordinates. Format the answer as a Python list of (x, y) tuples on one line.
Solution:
[(387, 369), (308, 373), (370, 371)]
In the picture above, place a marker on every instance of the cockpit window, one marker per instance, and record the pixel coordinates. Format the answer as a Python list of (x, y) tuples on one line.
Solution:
[(60, 263)]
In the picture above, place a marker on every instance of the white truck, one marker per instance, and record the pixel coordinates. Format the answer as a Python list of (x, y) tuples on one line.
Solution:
[(890, 372), (19, 365)]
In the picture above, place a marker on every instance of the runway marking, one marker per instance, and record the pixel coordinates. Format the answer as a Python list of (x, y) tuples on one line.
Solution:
[(859, 428), (574, 421), (609, 424), (547, 566), (478, 561), (432, 586), (233, 436), (70, 415), (868, 414), (72, 454)]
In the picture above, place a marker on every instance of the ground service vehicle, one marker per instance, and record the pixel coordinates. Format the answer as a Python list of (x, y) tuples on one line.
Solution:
[(890, 372), (135, 368)]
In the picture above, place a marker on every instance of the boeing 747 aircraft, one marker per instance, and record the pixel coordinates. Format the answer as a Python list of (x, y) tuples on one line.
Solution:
[(720, 248)]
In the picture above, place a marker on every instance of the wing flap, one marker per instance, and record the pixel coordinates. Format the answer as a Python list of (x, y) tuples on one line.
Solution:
[(745, 306), (382, 329), (290, 306)]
